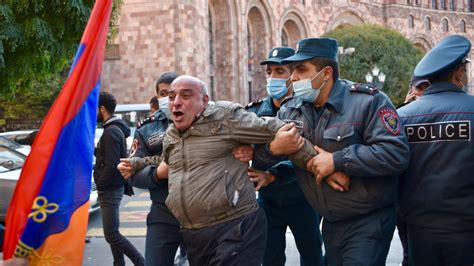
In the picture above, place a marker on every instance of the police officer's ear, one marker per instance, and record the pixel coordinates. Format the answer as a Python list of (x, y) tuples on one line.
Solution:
[(327, 73), (459, 75)]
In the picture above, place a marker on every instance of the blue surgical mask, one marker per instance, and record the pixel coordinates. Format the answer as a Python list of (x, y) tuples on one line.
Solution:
[(304, 90), (164, 105), (276, 88)]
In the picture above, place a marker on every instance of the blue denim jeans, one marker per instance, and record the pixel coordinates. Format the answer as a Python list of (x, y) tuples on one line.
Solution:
[(109, 201)]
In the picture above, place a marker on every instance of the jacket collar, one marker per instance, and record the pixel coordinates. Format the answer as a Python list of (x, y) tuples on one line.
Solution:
[(159, 115), (268, 107), (110, 120), (336, 98), (442, 87)]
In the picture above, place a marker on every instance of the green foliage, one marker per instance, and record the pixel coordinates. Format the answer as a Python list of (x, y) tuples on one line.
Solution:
[(38, 39), (378, 46)]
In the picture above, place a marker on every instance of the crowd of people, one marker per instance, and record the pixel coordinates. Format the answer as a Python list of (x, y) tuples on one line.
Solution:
[(318, 147)]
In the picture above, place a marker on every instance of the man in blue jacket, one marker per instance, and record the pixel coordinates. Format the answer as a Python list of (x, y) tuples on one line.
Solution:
[(357, 134), (282, 200), (437, 201)]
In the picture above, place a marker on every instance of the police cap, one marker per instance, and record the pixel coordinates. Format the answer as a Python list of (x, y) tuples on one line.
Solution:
[(314, 47), (277, 54), (417, 81), (445, 55)]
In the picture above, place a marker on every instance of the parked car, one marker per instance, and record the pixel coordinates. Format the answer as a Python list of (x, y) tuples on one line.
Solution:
[(14, 145), (11, 163)]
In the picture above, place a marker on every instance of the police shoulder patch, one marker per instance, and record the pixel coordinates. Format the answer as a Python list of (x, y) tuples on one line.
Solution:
[(367, 88), (145, 121), (390, 120), (254, 103)]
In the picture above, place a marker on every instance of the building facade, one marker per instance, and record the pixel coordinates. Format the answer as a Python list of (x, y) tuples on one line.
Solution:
[(223, 41)]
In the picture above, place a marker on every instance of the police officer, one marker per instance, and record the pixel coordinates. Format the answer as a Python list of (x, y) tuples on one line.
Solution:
[(283, 200), (163, 230), (357, 134), (416, 89), (438, 187)]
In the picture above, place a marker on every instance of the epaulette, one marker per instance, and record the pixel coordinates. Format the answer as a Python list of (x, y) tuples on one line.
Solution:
[(259, 101), (145, 121), (367, 88)]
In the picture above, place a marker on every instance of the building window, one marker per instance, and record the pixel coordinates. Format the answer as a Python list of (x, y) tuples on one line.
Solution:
[(470, 6), (434, 4), (462, 25), (427, 24), (443, 4), (445, 25), (411, 23), (408, 2), (284, 39), (452, 5), (417, 2)]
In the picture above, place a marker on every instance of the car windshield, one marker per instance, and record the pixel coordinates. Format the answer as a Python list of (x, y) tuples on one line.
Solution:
[(10, 160), (10, 144)]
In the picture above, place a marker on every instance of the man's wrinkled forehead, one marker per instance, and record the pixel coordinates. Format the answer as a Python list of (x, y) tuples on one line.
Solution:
[(184, 86)]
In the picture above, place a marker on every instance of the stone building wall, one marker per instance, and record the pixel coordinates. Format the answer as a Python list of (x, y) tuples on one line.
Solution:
[(223, 41)]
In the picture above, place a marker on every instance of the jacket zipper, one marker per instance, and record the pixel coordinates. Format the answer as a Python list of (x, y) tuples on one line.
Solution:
[(185, 170)]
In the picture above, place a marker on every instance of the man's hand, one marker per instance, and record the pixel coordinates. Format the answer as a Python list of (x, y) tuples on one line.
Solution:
[(14, 262), (339, 181), (321, 165), (410, 97), (162, 172), (125, 168), (262, 178), (287, 140), (243, 153)]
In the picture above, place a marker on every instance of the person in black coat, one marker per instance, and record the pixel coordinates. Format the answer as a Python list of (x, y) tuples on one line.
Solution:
[(110, 183)]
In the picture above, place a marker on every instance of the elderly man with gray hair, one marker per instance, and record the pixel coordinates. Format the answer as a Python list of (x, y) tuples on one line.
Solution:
[(209, 188)]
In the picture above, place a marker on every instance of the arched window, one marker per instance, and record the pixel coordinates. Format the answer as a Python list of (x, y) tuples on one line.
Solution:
[(411, 23), (427, 23), (462, 25), (284, 39), (445, 25)]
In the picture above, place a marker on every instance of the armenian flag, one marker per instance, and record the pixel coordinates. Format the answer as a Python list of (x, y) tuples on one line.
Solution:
[(47, 218)]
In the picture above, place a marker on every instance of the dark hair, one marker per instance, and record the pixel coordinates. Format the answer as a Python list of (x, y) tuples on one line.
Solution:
[(166, 77), (320, 63), (447, 75), (108, 101), (154, 102)]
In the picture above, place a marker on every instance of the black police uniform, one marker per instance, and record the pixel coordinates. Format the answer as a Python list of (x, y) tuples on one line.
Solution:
[(285, 205), (359, 126), (163, 230), (437, 201)]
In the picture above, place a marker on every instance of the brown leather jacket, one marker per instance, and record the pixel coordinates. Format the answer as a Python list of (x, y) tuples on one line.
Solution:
[(207, 184)]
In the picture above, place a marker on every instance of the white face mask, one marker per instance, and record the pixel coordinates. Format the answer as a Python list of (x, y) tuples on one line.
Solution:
[(164, 105), (303, 89)]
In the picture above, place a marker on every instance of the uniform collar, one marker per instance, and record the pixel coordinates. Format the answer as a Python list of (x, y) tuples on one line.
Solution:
[(336, 98), (268, 108), (159, 115), (442, 87)]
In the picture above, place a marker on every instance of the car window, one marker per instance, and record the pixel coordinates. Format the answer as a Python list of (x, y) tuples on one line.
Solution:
[(10, 160), (10, 144)]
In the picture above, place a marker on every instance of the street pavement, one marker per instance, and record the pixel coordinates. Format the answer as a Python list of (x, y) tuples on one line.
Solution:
[(132, 224)]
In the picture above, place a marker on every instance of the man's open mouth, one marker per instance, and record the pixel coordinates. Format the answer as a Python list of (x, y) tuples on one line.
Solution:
[(177, 115)]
